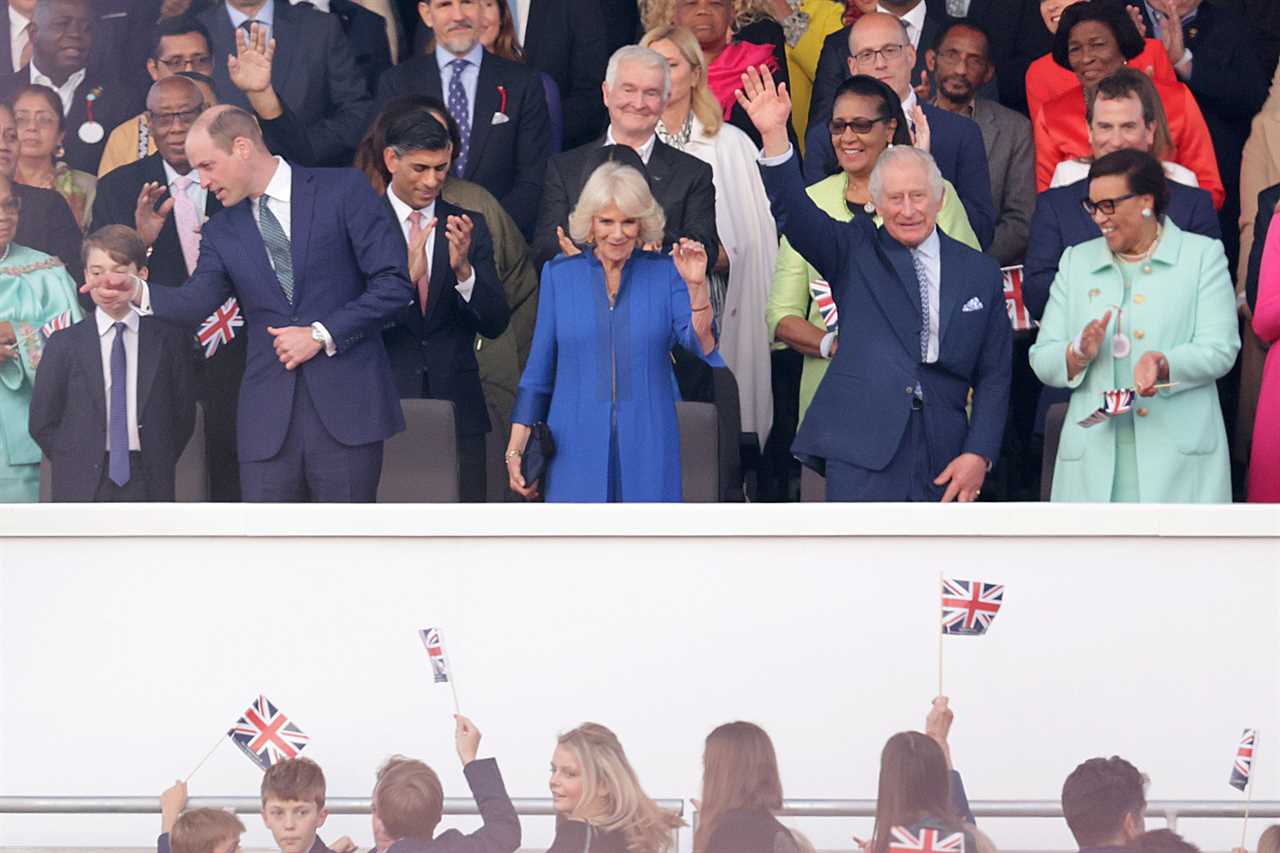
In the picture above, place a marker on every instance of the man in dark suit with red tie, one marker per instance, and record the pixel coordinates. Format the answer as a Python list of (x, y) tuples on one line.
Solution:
[(459, 294), (317, 272)]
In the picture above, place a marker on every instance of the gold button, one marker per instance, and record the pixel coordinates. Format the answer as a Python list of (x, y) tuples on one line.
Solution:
[(1139, 299), (1139, 334), (1142, 413)]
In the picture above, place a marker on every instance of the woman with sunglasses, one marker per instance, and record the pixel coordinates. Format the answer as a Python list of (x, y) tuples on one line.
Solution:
[(1147, 308), (864, 123)]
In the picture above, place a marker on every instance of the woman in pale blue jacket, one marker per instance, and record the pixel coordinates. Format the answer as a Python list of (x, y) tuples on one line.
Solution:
[(1147, 307)]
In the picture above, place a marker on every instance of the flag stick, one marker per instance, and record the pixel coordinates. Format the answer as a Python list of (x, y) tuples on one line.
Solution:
[(940, 633), (452, 686), (1248, 794), (208, 755)]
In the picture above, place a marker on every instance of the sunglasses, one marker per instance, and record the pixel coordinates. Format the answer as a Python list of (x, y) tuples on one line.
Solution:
[(837, 127)]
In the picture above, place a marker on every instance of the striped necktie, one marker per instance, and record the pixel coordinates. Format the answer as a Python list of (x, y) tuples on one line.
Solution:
[(277, 244)]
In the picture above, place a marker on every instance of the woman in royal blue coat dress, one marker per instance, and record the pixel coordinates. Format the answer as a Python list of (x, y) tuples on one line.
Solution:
[(599, 371)]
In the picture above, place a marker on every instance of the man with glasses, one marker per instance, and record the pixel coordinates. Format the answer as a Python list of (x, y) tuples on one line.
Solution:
[(160, 196), (879, 47), (91, 102), (180, 44)]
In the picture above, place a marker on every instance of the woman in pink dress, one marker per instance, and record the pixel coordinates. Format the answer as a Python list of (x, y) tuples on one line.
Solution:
[(1264, 463)]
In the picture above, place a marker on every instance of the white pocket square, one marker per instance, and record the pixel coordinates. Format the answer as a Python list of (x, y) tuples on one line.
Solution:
[(974, 304), (500, 118)]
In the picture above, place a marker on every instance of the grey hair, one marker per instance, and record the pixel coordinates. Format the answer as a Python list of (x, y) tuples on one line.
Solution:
[(620, 184), (896, 153), (643, 56)]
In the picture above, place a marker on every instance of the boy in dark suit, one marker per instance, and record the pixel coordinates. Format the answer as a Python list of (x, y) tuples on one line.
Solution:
[(117, 381)]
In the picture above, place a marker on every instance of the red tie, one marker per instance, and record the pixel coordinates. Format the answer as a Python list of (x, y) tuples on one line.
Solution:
[(415, 233)]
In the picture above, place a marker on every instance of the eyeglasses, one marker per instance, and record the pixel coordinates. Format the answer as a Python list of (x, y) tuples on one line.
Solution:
[(837, 127), (162, 121), (1106, 205), (201, 62), (972, 62), (11, 206), (44, 121), (889, 53)]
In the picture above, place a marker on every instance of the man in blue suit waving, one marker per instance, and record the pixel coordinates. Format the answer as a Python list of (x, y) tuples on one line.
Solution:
[(922, 321), (318, 267)]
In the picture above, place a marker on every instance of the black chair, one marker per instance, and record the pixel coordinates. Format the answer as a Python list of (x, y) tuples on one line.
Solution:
[(729, 409), (1053, 421), (813, 486), (700, 470), (420, 465)]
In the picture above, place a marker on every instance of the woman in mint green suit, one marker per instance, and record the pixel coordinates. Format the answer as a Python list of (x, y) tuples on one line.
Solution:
[(1150, 307)]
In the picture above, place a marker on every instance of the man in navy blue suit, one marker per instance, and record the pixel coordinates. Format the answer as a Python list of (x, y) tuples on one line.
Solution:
[(318, 268), (879, 47), (922, 320)]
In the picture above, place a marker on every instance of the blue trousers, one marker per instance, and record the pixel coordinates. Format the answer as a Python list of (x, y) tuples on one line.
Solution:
[(908, 476)]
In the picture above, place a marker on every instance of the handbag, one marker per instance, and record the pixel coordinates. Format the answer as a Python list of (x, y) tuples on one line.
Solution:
[(537, 453)]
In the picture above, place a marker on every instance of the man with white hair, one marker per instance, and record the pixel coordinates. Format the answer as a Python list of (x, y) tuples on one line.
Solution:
[(636, 89), (922, 320)]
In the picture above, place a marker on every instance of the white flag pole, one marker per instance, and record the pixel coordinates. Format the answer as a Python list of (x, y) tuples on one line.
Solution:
[(448, 663), (208, 755), (1248, 790)]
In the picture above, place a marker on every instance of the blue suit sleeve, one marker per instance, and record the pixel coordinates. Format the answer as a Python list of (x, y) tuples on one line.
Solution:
[(1044, 248), (208, 287), (162, 843), (960, 800), (973, 183), (533, 396), (501, 830), (820, 240), (381, 258), (995, 376)]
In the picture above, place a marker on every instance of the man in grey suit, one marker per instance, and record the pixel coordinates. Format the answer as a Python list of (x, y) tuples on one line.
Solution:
[(960, 63)]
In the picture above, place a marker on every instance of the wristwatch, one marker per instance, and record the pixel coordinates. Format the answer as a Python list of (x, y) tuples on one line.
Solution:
[(317, 335)]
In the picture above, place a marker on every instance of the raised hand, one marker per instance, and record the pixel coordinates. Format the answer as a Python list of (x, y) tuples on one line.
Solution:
[(418, 252), (467, 738), (1135, 15), (1151, 369), (250, 68), (567, 246), (768, 105), (691, 261), (457, 230), (146, 218), (923, 88), (1171, 33), (921, 137), (1092, 335), (172, 802)]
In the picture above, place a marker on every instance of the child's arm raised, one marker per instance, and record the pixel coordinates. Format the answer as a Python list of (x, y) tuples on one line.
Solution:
[(172, 802)]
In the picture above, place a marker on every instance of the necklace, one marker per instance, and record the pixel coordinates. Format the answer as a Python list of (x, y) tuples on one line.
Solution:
[(1143, 257), (679, 140)]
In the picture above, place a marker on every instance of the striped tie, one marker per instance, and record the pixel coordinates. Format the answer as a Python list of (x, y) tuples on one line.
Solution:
[(277, 247)]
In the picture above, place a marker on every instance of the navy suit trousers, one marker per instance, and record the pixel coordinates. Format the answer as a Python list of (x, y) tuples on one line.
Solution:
[(908, 476)]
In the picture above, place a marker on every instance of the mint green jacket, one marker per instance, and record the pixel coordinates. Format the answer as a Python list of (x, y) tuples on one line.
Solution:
[(1184, 308), (789, 295)]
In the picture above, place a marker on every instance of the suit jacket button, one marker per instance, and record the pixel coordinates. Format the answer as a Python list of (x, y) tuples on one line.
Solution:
[(909, 390), (1142, 413)]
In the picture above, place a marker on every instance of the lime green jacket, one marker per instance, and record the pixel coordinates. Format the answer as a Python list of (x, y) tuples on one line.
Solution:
[(789, 295)]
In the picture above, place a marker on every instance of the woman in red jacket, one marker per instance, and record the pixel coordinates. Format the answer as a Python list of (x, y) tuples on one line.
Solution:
[(1093, 40)]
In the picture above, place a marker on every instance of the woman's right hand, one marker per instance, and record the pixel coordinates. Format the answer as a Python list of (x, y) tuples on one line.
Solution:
[(566, 245), (515, 479), (768, 106), (1091, 336)]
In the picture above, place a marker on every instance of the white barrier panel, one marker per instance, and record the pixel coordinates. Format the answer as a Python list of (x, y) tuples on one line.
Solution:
[(131, 636)]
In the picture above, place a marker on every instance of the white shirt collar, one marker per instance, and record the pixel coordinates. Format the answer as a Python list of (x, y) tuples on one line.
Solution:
[(909, 103), (444, 57), (931, 248), (403, 210), (645, 151), (66, 91), (318, 5), (105, 321), (17, 20), (265, 15), (914, 19), (280, 187)]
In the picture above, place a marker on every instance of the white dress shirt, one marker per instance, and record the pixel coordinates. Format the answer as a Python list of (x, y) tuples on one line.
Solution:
[(645, 151), (106, 339), (199, 195), (403, 212), (19, 38), (913, 19), (66, 91), (266, 16), (929, 254)]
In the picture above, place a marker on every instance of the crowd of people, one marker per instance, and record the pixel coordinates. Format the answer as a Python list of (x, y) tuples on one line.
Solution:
[(889, 242), (601, 807)]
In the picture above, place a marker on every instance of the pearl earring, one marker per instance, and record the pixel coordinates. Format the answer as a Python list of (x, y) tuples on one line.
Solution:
[(1146, 213)]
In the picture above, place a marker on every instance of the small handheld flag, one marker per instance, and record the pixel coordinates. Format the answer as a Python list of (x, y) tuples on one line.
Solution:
[(265, 735), (969, 606), (439, 661), (220, 327), (820, 290), (1243, 765), (1117, 401), (1019, 316), (57, 324), (903, 840)]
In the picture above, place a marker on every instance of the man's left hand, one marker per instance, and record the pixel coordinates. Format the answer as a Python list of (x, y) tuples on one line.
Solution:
[(294, 345), (457, 230), (963, 478)]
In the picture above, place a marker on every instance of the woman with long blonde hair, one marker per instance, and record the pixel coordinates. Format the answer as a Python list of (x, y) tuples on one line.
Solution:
[(600, 806)]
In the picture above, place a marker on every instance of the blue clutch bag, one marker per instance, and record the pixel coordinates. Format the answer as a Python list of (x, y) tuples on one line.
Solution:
[(537, 453)]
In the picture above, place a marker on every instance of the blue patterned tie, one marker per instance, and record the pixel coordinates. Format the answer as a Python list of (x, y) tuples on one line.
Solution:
[(277, 247), (461, 113), (118, 463), (922, 280)]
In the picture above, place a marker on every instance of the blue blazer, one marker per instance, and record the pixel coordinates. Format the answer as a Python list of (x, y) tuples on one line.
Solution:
[(349, 273), (861, 410), (1060, 222), (956, 146)]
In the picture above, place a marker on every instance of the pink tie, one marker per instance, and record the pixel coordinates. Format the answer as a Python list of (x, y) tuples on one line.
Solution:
[(415, 232), (188, 222)]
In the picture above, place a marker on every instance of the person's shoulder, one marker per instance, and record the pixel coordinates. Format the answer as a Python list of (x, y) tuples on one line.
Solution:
[(509, 70), (126, 175), (980, 263), (411, 70), (946, 121), (837, 39), (1003, 115), (680, 160), (26, 261), (1064, 195), (1182, 194)]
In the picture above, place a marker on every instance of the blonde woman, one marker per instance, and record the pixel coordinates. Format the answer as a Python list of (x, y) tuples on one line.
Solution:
[(599, 370), (600, 806), (692, 122)]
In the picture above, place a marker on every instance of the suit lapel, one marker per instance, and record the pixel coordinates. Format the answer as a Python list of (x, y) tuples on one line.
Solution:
[(949, 286), (246, 229), (91, 352), (901, 300), (410, 316), (487, 102), (441, 272), (148, 363), (301, 206)]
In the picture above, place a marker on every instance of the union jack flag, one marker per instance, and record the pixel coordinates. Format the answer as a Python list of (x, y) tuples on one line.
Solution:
[(435, 654), (969, 606), (1019, 316), (220, 327), (821, 293), (265, 735), (57, 324), (1117, 401), (1243, 765), (903, 840)]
